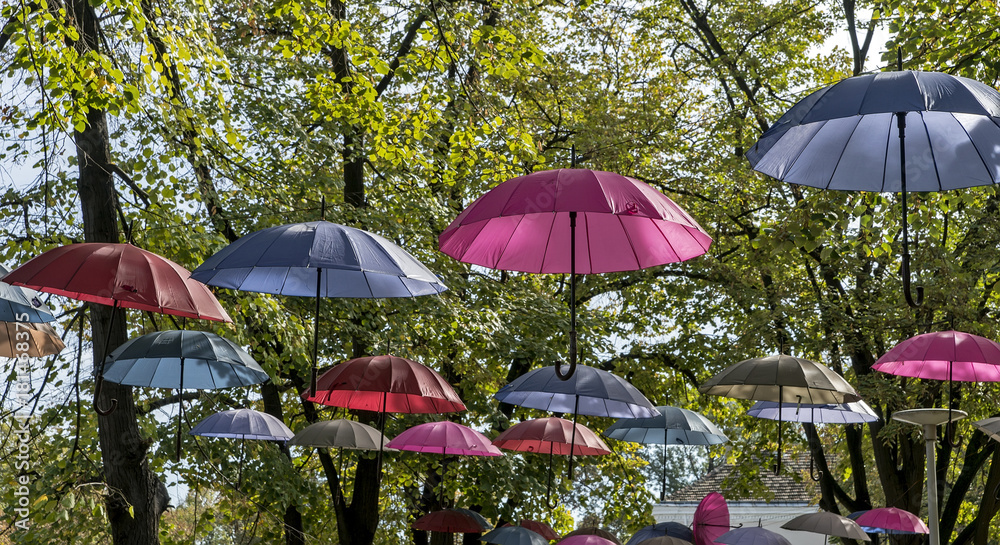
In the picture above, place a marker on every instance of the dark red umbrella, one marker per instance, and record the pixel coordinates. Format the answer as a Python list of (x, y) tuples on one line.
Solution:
[(540, 528), (449, 521), (385, 384), (118, 275)]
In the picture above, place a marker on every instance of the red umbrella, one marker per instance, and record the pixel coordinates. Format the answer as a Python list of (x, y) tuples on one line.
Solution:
[(552, 435), (711, 519), (118, 275), (449, 521), (529, 224), (540, 528)]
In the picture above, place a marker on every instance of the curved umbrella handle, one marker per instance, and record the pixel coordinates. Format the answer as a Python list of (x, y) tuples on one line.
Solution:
[(906, 284), (814, 474), (97, 396)]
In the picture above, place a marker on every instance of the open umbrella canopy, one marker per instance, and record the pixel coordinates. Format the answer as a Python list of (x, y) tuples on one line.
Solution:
[(513, 535), (845, 136), (989, 426), (856, 412), (586, 539), (243, 424), (339, 433), (476, 515), (119, 275), (300, 258), (540, 528), (386, 384), (446, 438), (42, 340), (18, 304), (752, 536), (589, 391), (183, 359), (665, 540), (944, 355), (673, 426), (888, 520), (827, 523), (711, 519), (551, 435), (781, 378), (592, 531), (523, 224), (450, 521), (668, 529)]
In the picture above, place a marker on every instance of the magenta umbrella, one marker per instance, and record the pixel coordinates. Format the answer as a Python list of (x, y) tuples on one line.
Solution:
[(711, 519), (892, 519), (530, 224), (944, 355), (588, 539)]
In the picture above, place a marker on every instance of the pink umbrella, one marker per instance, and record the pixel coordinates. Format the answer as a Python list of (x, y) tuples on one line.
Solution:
[(711, 519), (944, 355), (444, 437), (585, 540), (893, 519), (529, 224)]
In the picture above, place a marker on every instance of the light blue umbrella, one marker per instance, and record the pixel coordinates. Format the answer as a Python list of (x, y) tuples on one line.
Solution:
[(243, 424), (19, 304), (182, 359), (318, 259), (857, 412)]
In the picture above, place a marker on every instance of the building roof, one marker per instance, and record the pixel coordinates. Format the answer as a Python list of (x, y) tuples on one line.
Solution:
[(792, 486)]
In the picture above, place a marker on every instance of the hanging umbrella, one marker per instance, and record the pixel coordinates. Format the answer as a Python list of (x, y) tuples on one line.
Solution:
[(449, 521), (118, 275), (828, 524), (589, 532), (318, 259), (674, 426), (513, 535), (446, 438), (556, 436), (586, 539), (529, 224), (752, 536), (989, 426), (662, 529), (19, 304), (483, 523), (243, 424), (711, 519), (665, 540), (892, 519), (856, 412), (339, 434), (183, 359), (42, 340), (540, 528), (783, 379), (852, 136), (589, 391)]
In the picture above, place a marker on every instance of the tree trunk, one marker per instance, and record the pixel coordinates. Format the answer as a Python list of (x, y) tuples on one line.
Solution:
[(137, 498)]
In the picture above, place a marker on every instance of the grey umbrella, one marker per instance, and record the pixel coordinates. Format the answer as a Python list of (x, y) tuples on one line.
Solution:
[(827, 523), (513, 535), (340, 434), (852, 136), (673, 426), (783, 379), (18, 304)]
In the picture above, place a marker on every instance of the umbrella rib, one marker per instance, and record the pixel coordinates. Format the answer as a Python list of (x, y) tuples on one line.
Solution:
[(931, 149), (885, 160), (986, 166), (843, 150)]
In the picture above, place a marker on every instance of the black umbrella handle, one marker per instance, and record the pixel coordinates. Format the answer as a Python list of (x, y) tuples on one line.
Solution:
[(901, 125), (99, 386), (572, 302)]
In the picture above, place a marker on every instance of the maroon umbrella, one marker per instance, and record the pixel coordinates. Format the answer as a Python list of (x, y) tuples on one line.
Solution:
[(540, 528), (118, 275), (449, 521), (554, 436)]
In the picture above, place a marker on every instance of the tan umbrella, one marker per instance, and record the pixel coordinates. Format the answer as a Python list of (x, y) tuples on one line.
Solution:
[(41, 340), (827, 523), (783, 379), (664, 540)]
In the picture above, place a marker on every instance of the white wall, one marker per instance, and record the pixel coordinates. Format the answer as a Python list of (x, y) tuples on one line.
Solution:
[(770, 515)]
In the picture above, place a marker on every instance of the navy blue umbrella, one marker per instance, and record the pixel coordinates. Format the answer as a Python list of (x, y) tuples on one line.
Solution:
[(852, 136), (670, 529), (18, 304), (318, 259), (182, 359), (588, 391)]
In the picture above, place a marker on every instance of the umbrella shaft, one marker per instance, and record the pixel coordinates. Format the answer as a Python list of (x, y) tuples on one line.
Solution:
[(572, 291)]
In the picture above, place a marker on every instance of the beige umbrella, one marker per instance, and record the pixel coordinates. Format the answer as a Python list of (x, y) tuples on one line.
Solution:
[(827, 523), (783, 379), (41, 340), (664, 540)]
